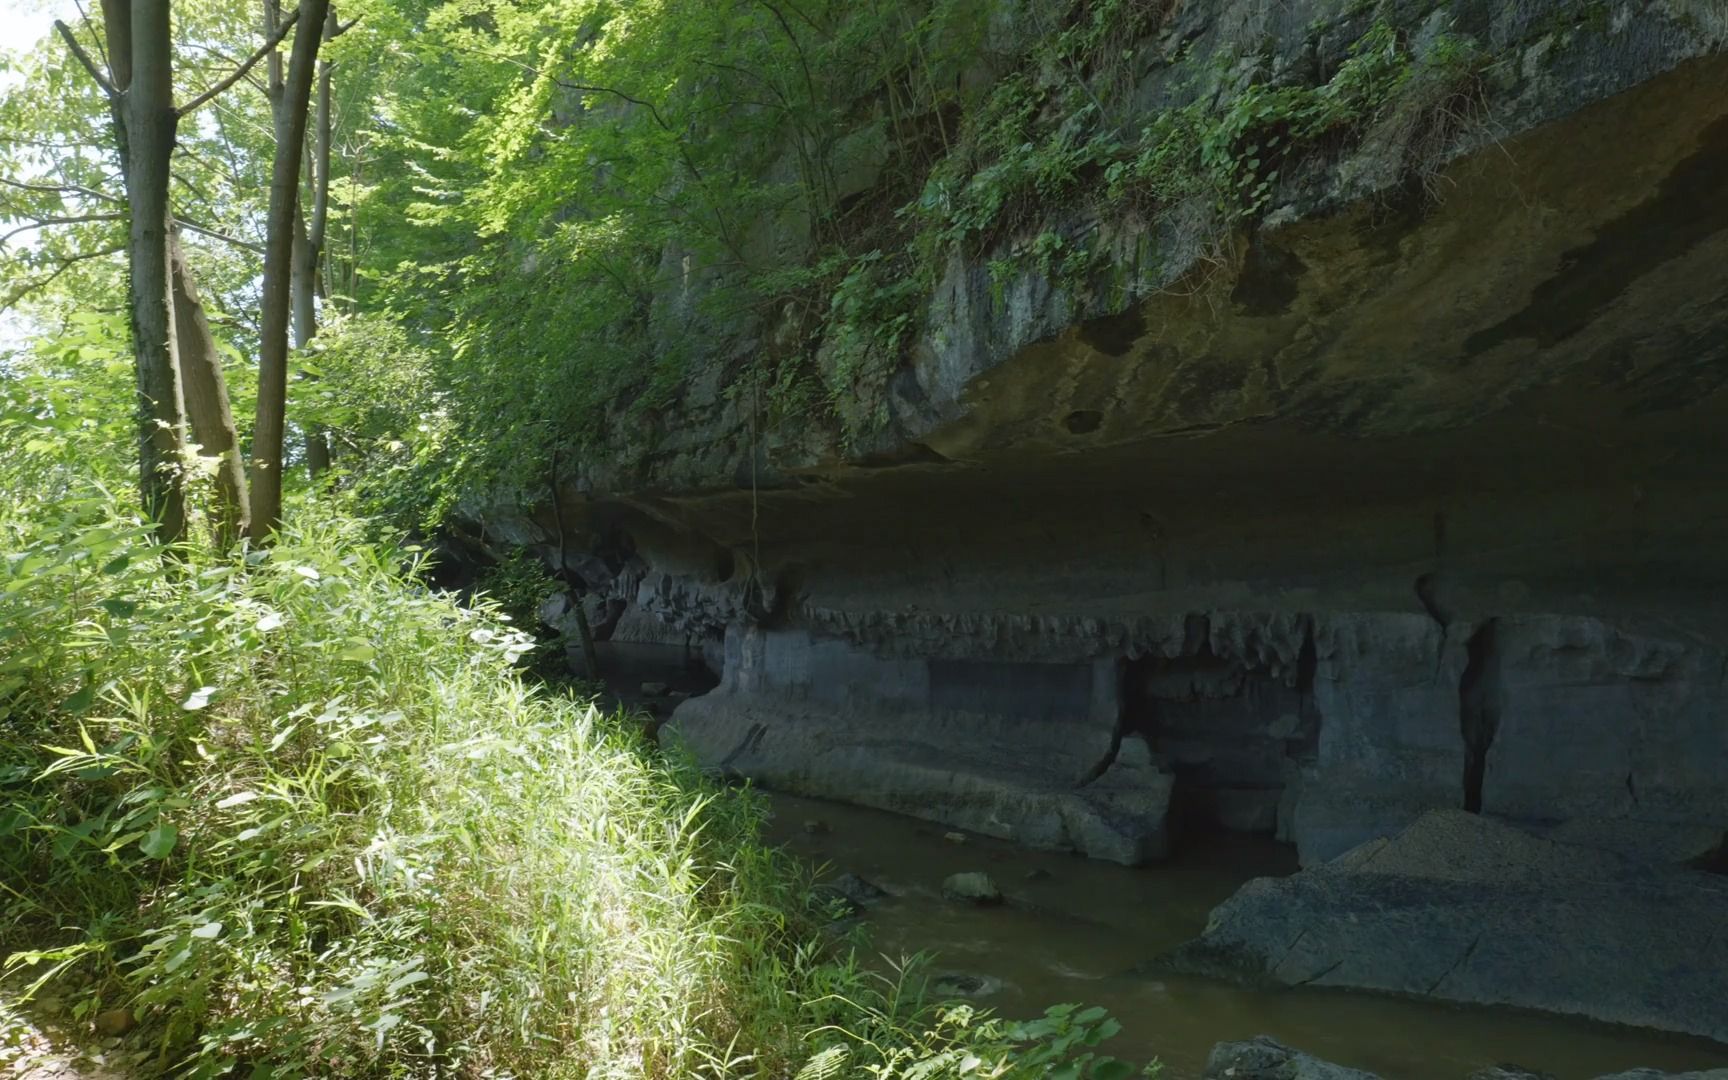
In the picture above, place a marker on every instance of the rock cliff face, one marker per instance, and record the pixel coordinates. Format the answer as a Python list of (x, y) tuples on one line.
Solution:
[(1410, 496)]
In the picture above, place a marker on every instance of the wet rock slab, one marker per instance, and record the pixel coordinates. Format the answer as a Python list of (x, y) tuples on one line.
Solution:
[(1462, 908)]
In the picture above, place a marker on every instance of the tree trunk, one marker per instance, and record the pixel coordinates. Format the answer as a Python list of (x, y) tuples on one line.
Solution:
[(149, 122), (303, 285), (590, 656), (309, 247), (268, 428), (206, 394)]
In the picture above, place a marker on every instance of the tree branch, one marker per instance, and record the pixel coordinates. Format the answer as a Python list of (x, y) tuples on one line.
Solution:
[(40, 223), (213, 234), (84, 58), (239, 73), (37, 286), (84, 17), (62, 189), (226, 59)]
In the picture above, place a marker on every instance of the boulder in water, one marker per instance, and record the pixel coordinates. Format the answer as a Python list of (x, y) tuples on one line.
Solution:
[(1265, 1058), (1464, 908), (973, 887), (851, 891)]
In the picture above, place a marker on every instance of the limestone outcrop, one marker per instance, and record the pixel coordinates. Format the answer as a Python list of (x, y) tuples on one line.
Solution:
[(1022, 755)]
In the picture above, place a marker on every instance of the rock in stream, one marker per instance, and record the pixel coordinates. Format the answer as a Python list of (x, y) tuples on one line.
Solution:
[(1463, 908)]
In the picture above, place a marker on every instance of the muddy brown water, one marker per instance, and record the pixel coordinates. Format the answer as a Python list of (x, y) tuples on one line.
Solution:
[(1075, 930)]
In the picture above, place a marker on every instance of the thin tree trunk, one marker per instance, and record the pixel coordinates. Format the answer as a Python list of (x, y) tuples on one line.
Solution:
[(206, 394), (590, 655), (310, 243), (150, 122), (303, 285), (268, 428), (321, 147)]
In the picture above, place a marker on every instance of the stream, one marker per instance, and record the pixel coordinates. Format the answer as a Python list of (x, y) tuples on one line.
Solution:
[(1077, 930), (1074, 929)]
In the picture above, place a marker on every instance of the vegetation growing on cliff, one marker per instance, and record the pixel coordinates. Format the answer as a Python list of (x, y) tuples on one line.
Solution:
[(777, 192)]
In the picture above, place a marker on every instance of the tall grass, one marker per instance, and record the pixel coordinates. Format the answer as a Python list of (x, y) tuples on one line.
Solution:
[(300, 816), (299, 812)]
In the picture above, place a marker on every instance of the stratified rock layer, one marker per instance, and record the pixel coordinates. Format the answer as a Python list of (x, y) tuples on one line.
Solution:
[(1015, 754)]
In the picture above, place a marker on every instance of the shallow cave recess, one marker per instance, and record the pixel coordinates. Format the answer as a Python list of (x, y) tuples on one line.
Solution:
[(1232, 734)]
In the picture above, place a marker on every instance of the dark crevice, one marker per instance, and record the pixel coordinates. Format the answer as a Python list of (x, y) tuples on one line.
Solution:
[(1307, 740), (1463, 958), (1322, 973), (1122, 721), (1113, 335), (751, 742), (1307, 665), (1715, 862), (1225, 723), (1479, 694), (1197, 636), (1427, 593)]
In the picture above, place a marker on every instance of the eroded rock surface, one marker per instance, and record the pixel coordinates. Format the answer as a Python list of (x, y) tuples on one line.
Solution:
[(1463, 908)]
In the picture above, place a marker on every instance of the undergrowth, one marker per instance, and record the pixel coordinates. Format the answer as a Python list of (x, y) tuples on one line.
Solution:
[(301, 816)]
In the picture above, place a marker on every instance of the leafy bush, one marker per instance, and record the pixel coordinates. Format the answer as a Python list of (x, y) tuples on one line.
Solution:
[(887, 1036), (518, 584)]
